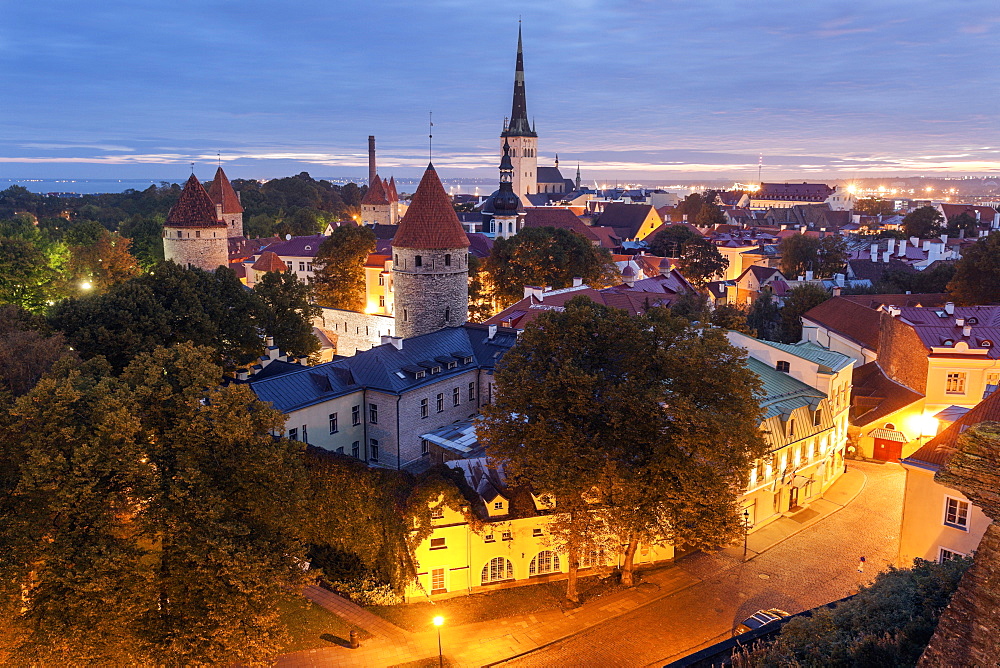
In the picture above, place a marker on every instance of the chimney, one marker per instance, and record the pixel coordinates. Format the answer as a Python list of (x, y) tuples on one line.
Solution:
[(892, 246), (959, 322), (492, 331), (809, 275), (902, 247), (577, 281), (268, 341), (533, 291), (926, 245), (218, 212), (836, 291), (944, 238), (967, 331), (371, 160), (886, 255), (949, 308), (874, 251), (914, 241), (395, 341), (977, 215), (839, 279), (242, 374)]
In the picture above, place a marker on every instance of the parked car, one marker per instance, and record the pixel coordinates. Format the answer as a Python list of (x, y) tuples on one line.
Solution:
[(759, 619)]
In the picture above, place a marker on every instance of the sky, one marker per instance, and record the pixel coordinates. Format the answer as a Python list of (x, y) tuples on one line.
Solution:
[(647, 89)]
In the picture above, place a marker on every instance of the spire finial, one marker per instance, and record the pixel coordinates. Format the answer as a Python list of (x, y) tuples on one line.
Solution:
[(220, 159), (192, 169), (430, 136)]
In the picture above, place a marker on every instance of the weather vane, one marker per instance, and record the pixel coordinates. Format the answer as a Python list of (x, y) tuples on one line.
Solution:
[(430, 136)]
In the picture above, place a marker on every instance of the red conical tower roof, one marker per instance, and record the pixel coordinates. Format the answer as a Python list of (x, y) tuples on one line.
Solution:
[(222, 193), (393, 195), (194, 208), (376, 193), (430, 221), (269, 261)]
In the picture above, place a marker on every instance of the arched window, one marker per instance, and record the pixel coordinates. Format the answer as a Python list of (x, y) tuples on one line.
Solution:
[(544, 562), (447, 259), (498, 570)]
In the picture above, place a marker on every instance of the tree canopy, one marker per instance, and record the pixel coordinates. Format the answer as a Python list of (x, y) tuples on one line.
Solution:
[(977, 273), (339, 278), (824, 257), (799, 299), (669, 241), (701, 261), (925, 222), (546, 256)]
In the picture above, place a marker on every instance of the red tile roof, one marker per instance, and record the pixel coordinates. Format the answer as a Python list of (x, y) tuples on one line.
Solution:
[(552, 216), (849, 319), (390, 190), (194, 208), (940, 449), (376, 193), (874, 395), (430, 221), (525, 311), (221, 192), (269, 261)]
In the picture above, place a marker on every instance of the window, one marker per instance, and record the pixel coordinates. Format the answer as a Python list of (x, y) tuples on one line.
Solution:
[(452, 365), (447, 259), (302, 266), (309, 266), (197, 234), (591, 558), (404, 315), (791, 429), (288, 263), (456, 396), (440, 402), (472, 391), (544, 562), (356, 415), (438, 544), (497, 570), (333, 423), (437, 581), (381, 279), (505, 535), (423, 408), (356, 449), (447, 313), (955, 383), (180, 235), (956, 513), (488, 538), (944, 554), (783, 366), (437, 513), (418, 261), (536, 532), (817, 418), (498, 505), (381, 301), (293, 434), (305, 434), (993, 378), (373, 413), (374, 449)]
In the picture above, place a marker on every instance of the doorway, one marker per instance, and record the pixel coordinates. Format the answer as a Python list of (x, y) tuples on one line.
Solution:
[(793, 498)]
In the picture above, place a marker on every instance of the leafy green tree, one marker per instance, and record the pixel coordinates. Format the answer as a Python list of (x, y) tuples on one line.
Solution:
[(28, 350), (710, 214), (831, 256), (692, 306), (259, 226), (339, 280), (146, 233), (26, 279), (799, 253), (963, 225), (764, 317), (287, 312), (691, 205), (545, 256), (977, 273), (669, 241), (731, 316), (799, 300), (480, 304), (874, 206), (98, 258), (611, 415), (701, 261), (925, 222)]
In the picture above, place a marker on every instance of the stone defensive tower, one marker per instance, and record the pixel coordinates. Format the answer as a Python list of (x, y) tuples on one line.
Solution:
[(227, 204), (430, 263), (520, 135), (193, 235)]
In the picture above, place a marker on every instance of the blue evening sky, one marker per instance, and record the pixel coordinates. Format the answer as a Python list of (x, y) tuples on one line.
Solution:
[(651, 89)]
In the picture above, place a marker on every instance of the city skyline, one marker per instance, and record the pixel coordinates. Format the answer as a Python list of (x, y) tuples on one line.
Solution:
[(630, 91)]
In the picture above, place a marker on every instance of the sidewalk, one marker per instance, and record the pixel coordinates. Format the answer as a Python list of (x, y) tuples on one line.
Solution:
[(497, 641)]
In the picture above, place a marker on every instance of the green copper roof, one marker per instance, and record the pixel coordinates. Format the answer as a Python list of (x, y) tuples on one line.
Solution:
[(782, 393), (829, 361)]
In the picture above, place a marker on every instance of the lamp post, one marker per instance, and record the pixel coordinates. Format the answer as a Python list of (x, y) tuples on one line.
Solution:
[(746, 530), (438, 621)]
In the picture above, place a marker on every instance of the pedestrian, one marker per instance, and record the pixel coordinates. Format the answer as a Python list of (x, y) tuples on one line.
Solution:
[(861, 565)]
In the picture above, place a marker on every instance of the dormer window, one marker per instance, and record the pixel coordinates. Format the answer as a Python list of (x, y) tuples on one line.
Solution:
[(949, 342), (419, 374), (986, 343), (972, 321), (437, 513), (452, 365), (466, 360), (435, 369), (783, 366)]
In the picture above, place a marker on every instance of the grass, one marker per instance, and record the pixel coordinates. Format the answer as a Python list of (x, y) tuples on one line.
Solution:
[(311, 627), (485, 606)]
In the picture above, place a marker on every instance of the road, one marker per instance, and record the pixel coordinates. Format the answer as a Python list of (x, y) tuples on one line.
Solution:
[(811, 568)]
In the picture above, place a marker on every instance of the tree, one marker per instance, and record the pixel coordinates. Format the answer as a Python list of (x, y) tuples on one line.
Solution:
[(611, 416), (146, 233), (710, 213), (963, 225), (874, 206), (480, 304), (339, 280), (669, 241), (831, 256), (799, 253), (764, 317), (799, 300), (287, 312), (546, 256), (99, 258), (701, 261), (925, 222), (691, 205), (27, 351), (977, 273), (731, 316), (26, 279)]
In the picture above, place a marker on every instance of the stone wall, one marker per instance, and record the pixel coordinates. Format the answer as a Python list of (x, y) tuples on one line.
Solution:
[(355, 331), (901, 353), (234, 224), (431, 296), (205, 248)]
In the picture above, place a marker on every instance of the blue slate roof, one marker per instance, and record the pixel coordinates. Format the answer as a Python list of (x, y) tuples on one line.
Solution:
[(388, 369)]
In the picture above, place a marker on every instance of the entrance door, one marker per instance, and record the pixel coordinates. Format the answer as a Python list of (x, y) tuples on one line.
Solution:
[(887, 451), (793, 498)]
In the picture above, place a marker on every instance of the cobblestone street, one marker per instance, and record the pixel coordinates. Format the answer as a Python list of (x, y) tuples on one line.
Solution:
[(811, 568)]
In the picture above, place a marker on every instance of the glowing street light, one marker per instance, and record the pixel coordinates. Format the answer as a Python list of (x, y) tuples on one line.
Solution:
[(438, 621), (85, 285)]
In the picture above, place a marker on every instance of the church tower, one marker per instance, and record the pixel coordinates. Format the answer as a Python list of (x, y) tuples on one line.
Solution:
[(430, 268), (520, 135), (193, 234), (504, 205), (227, 204)]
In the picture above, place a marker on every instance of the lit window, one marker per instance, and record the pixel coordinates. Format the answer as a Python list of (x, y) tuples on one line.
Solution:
[(544, 562), (497, 570), (956, 513), (955, 383), (437, 513), (437, 581)]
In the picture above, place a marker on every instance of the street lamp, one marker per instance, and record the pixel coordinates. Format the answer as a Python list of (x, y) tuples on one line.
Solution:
[(438, 621), (746, 530)]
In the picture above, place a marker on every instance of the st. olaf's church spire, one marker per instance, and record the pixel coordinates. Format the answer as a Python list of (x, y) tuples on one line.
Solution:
[(519, 134)]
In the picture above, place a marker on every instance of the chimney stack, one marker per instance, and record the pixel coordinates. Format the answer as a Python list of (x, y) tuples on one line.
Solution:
[(902, 247), (949, 308), (371, 160), (395, 341)]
